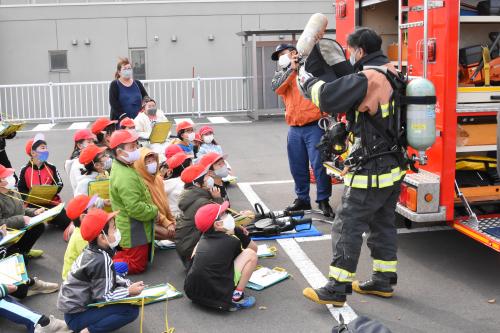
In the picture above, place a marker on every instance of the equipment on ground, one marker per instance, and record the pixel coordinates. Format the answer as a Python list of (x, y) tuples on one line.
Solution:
[(274, 223)]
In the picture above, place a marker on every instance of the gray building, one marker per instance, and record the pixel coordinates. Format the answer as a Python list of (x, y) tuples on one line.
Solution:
[(70, 41)]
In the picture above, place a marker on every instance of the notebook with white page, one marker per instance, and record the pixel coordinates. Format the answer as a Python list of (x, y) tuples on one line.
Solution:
[(264, 250), (265, 277)]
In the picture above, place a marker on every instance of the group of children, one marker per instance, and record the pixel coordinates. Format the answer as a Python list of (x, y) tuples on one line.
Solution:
[(176, 196)]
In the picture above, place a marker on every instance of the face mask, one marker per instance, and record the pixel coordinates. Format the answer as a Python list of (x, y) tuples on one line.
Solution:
[(126, 73), (152, 111), (43, 155), (228, 222), (208, 138), (284, 61), (84, 145), (152, 167), (191, 137), (222, 172), (209, 182), (118, 238), (11, 183), (132, 156), (352, 57), (108, 164)]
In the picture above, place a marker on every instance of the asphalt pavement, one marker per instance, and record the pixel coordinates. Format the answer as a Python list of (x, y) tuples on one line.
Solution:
[(447, 281)]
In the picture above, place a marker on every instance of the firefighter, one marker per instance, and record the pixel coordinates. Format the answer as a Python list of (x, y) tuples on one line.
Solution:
[(372, 183)]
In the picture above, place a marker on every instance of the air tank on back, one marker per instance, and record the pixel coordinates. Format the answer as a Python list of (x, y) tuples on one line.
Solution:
[(421, 117), (316, 25)]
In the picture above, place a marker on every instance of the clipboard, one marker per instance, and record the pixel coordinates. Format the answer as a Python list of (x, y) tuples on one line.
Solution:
[(101, 188), (160, 132), (7, 129), (42, 194), (12, 237), (266, 251), (333, 170), (150, 295), (265, 277), (13, 270), (45, 216)]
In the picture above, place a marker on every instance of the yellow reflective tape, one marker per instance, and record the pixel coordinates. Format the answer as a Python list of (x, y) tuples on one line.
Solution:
[(315, 92), (384, 266), (380, 181), (385, 110), (341, 275)]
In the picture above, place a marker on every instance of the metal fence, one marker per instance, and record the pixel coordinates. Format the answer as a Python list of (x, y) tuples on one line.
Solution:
[(82, 100)]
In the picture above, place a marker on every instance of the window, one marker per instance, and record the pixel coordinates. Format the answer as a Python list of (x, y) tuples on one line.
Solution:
[(138, 61), (58, 60)]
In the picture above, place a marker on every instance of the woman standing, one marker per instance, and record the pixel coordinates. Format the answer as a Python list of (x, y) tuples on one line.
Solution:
[(125, 93)]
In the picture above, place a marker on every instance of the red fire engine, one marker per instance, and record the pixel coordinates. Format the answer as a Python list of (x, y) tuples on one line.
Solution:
[(445, 41)]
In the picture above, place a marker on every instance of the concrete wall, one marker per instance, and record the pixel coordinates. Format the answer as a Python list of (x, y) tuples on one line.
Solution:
[(28, 32)]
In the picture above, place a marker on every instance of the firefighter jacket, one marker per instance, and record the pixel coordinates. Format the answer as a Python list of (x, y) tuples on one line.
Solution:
[(366, 93)]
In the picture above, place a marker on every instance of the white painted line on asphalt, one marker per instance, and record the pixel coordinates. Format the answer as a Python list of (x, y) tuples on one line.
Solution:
[(270, 182), (305, 265), (80, 125), (42, 127), (178, 120), (313, 239), (218, 120), (313, 276)]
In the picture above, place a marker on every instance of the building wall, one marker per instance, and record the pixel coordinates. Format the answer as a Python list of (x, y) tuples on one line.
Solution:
[(28, 32)]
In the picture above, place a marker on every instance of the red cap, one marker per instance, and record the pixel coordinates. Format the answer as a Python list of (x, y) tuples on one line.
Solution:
[(83, 134), (89, 153), (78, 205), (176, 160), (6, 172), (100, 124), (193, 172), (205, 129), (197, 137), (127, 122), (208, 214), (210, 158), (122, 136), (94, 222), (29, 144), (171, 150), (183, 125)]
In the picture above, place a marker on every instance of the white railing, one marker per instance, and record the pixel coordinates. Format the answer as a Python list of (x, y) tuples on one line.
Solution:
[(83, 100)]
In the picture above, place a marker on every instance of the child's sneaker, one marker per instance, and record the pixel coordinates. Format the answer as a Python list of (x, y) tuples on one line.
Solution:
[(55, 326), (42, 287), (121, 268), (238, 295), (243, 303)]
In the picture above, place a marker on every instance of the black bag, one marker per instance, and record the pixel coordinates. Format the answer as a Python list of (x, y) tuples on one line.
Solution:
[(360, 325), (490, 7)]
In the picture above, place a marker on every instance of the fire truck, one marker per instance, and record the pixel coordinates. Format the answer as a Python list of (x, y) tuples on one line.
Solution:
[(445, 42)]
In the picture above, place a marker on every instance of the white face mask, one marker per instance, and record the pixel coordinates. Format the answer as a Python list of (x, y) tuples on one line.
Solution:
[(284, 61), (208, 138), (108, 164), (228, 222), (132, 156), (126, 73), (152, 168), (222, 172), (118, 238), (352, 57), (209, 182), (191, 136), (11, 182)]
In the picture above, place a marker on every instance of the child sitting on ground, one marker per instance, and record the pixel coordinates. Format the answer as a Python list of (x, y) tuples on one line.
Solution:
[(103, 128), (38, 323), (76, 210), (147, 117), (127, 123), (185, 137), (96, 165), (173, 184), (221, 268), (82, 139), (209, 144), (40, 172), (93, 279)]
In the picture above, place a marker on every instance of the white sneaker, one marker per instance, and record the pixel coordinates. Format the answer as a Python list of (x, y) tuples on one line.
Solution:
[(55, 326), (42, 287)]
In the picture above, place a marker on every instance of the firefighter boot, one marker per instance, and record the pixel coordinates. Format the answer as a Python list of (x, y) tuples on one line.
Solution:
[(377, 285), (298, 205), (332, 293)]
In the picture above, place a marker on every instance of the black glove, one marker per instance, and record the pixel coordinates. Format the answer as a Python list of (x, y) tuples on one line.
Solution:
[(305, 81)]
